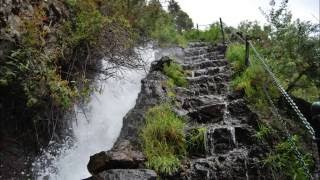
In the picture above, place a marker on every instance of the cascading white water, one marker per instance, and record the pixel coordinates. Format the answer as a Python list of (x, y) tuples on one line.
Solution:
[(98, 128)]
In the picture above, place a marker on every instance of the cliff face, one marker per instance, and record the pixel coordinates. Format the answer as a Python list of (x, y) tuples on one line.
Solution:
[(231, 151)]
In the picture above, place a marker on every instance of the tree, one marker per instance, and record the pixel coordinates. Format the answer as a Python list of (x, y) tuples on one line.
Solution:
[(181, 19), (294, 51)]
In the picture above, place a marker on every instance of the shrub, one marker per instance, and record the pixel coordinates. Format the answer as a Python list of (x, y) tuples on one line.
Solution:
[(283, 160), (175, 72), (210, 35), (235, 54), (163, 139)]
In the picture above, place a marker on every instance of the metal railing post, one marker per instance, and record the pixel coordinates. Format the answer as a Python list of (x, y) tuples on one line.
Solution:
[(246, 60), (198, 32), (222, 31)]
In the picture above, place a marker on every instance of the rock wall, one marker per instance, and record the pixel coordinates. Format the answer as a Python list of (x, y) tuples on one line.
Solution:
[(231, 151)]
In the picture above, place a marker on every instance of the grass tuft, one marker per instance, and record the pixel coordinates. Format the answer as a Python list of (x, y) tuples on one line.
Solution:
[(163, 139), (175, 72), (196, 140)]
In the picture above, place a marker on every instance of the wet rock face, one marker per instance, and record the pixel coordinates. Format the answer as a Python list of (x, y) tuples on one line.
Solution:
[(209, 102), (126, 153), (220, 140), (126, 174)]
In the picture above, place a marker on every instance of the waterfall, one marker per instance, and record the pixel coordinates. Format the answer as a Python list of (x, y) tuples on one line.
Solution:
[(98, 128)]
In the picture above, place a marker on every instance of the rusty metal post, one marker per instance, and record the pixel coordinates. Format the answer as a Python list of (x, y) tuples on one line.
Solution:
[(198, 32), (246, 60), (222, 31)]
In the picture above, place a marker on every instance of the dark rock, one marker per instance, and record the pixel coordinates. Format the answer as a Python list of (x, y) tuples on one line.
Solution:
[(244, 135), (152, 93), (209, 113), (219, 140), (126, 174), (122, 156), (159, 64), (238, 107)]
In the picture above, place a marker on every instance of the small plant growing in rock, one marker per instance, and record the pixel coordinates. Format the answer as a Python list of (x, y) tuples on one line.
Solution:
[(163, 139), (175, 72), (196, 140)]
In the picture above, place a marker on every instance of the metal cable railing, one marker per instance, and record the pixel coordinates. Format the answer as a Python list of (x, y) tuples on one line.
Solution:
[(287, 97)]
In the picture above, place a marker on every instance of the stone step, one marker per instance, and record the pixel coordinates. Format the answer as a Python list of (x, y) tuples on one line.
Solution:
[(205, 64), (195, 51), (193, 102), (197, 44), (203, 55), (224, 138), (232, 165), (220, 140), (209, 89), (211, 113), (211, 71), (203, 79)]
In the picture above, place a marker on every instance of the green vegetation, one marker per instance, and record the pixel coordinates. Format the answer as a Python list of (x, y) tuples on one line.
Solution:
[(163, 139), (196, 140), (48, 70), (284, 163), (176, 74), (291, 50), (212, 35), (235, 54)]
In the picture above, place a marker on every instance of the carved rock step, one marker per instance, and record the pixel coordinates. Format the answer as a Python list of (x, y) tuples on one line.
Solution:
[(199, 60), (220, 140), (224, 138), (197, 101), (209, 88), (210, 56), (197, 44), (221, 77), (210, 113), (233, 165), (207, 71), (205, 64), (195, 51)]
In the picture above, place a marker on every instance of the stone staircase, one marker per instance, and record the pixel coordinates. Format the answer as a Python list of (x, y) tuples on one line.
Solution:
[(231, 149)]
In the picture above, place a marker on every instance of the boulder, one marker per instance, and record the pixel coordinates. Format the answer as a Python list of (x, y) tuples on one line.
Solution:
[(159, 64), (122, 156), (126, 174)]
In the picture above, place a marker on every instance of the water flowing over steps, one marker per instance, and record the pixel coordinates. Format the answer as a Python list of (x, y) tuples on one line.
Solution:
[(231, 151)]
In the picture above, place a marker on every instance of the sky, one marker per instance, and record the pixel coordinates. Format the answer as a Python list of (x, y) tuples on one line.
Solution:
[(233, 12)]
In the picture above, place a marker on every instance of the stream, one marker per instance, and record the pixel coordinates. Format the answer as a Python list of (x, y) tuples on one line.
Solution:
[(98, 128)]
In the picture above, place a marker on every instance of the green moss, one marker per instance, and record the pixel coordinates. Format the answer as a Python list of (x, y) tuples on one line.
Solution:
[(163, 139)]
